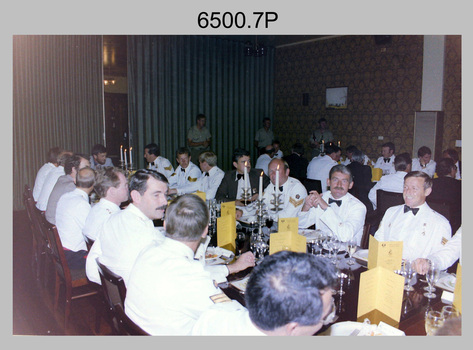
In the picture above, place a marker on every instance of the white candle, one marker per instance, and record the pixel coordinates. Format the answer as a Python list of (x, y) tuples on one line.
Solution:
[(125, 159), (121, 153), (260, 194), (131, 158), (338, 143), (323, 146), (277, 182), (245, 176)]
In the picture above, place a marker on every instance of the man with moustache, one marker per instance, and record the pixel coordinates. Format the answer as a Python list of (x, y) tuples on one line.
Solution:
[(127, 232)]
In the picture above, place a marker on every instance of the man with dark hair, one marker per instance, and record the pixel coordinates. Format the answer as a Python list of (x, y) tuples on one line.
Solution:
[(98, 158), (198, 138), (422, 230), (187, 175), (392, 182), (287, 294), (263, 160), (319, 167), (297, 162), (111, 186), (65, 183), (320, 136), (231, 187), (451, 153), (168, 289), (386, 161), (71, 213), (52, 163), (156, 161), (335, 210), (128, 231), (424, 161), (277, 149), (264, 136)]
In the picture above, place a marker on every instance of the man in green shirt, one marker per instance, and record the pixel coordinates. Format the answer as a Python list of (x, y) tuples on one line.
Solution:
[(198, 138)]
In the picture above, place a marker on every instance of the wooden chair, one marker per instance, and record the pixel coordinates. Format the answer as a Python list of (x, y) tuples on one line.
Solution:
[(366, 236), (75, 282), (312, 185), (88, 242), (114, 293), (384, 200)]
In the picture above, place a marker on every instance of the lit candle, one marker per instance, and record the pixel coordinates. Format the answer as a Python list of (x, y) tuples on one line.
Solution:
[(121, 153), (277, 182), (125, 158), (245, 176), (260, 194), (323, 147), (131, 158), (338, 143)]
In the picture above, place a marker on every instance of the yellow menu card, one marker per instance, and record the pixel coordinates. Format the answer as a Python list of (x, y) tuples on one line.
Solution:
[(457, 293), (200, 194), (381, 289), (387, 254), (288, 224), (376, 174), (226, 232), (287, 241), (228, 208)]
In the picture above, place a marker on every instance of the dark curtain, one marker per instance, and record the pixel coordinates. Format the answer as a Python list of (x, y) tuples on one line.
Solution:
[(174, 78)]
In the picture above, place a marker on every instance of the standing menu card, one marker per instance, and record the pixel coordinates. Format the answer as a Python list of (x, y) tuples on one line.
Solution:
[(226, 226), (381, 289), (457, 293), (287, 241), (200, 194), (288, 225), (386, 254), (228, 208)]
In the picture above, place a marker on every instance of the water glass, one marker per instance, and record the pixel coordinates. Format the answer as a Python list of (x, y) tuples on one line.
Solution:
[(409, 272), (433, 321), (432, 276), (351, 248), (450, 311)]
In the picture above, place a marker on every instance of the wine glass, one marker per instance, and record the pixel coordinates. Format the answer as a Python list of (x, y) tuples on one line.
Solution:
[(351, 247), (409, 272), (432, 276), (327, 243), (433, 321), (336, 244), (450, 311)]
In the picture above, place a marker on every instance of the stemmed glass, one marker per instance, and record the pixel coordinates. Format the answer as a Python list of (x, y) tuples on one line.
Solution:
[(409, 272), (335, 242), (432, 276), (450, 311), (327, 243), (351, 247), (433, 321)]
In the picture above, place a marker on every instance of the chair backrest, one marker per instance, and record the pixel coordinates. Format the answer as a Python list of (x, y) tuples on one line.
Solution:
[(312, 185), (113, 286), (126, 324), (386, 199), (366, 236), (441, 207), (36, 216), (88, 242)]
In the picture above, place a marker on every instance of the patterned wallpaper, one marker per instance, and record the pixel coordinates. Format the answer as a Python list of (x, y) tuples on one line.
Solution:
[(384, 91)]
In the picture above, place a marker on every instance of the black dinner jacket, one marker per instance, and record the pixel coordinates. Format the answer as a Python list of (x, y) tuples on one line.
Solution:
[(228, 187), (297, 166)]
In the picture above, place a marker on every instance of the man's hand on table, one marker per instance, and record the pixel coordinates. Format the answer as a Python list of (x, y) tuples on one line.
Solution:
[(243, 262)]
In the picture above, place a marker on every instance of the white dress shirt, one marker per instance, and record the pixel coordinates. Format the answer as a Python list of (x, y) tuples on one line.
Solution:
[(319, 169), (185, 181), (99, 213), (450, 252), (168, 290), (345, 221), (40, 177), (279, 154), (209, 184), (263, 162), (458, 175), (71, 213), (119, 242), (292, 195), (162, 165), (422, 234), (226, 319), (48, 185), (390, 183), (429, 168), (386, 167)]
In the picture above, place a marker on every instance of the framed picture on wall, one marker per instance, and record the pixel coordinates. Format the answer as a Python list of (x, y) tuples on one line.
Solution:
[(336, 98)]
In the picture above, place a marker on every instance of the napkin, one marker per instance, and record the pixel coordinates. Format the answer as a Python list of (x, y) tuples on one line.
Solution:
[(446, 281)]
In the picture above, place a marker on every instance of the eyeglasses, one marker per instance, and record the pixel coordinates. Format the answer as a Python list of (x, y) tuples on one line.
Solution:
[(331, 316)]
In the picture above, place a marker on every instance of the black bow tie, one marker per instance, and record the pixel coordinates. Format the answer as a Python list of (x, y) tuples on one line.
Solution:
[(182, 169), (338, 202), (407, 208), (280, 188), (239, 176), (206, 174), (386, 160)]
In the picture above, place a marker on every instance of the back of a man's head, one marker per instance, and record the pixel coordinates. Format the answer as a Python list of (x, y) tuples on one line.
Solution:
[(85, 178), (298, 148), (331, 148), (357, 156), (186, 218), (53, 154), (286, 287), (402, 161), (72, 162), (445, 166), (105, 178)]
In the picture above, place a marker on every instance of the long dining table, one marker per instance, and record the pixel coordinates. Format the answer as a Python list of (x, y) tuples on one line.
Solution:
[(414, 305)]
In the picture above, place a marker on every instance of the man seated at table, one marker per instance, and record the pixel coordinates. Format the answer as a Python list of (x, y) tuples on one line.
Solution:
[(185, 178), (361, 178), (167, 289), (451, 153), (349, 154), (386, 161), (156, 161), (287, 294), (263, 160), (319, 167), (98, 158), (53, 154), (292, 191), (71, 213), (392, 182), (212, 175), (297, 162), (335, 210), (424, 161), (128, 231), (422, 230), (232, 185), (111, 186)]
